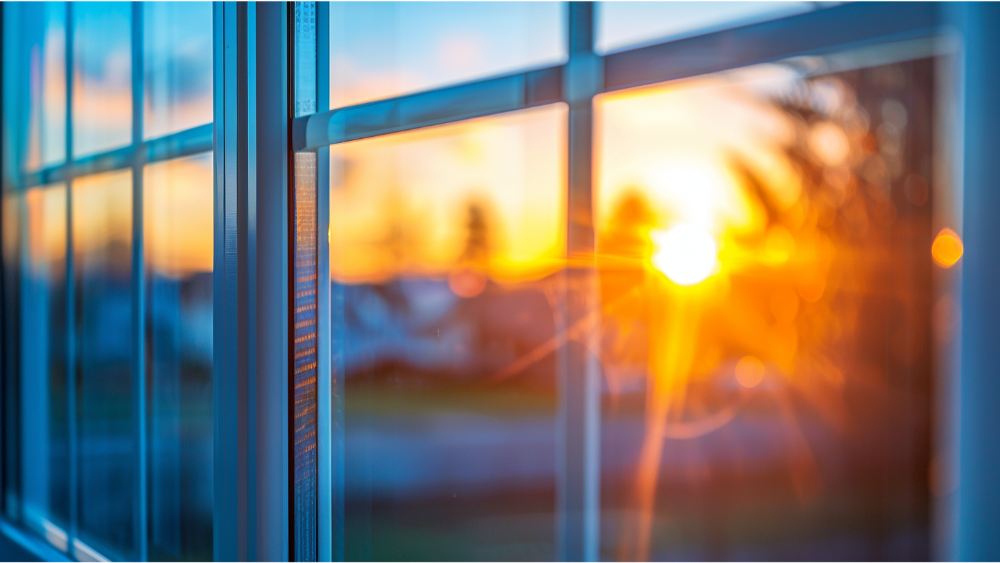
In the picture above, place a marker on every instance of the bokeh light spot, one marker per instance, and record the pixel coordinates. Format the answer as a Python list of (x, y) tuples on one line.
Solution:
[(749, 371), (947, 248), (467, 283), (686, 254), (829, 143)]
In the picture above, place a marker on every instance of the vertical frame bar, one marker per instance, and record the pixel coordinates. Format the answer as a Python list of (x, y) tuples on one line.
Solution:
[(579, 373), (303, 298), (251, 282), (229, 513), (979, 388), (139, 500), (72, 377), (329, 493), (273, 273), (251, 278)]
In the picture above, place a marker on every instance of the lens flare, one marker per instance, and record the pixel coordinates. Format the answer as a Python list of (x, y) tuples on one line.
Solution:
[(686, 254)]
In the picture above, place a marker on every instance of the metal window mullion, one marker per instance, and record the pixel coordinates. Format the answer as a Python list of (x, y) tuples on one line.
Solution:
[(140, 498), (252, 392), (71, 328), (250, 378), (188, 142), (809, 33), (228, 535), (272, 271), (330, 427), (578, 450), (481, 98)]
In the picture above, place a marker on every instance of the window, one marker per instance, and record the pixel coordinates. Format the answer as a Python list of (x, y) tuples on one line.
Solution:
[(108, 277), (177, 211), (733, 312), (446, 259), (762, 242), (383, 49), (522, 281)]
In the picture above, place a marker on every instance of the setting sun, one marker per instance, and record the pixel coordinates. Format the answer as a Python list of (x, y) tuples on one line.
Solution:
[(685, 253)]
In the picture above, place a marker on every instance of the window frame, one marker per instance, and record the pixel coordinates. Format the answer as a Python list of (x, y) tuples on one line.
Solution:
[(133, 156), (585, 75), (237, 96)]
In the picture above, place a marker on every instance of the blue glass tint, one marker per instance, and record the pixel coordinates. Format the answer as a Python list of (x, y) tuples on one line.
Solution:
[(764, 254), (629, 24), (34, 69), (178, 66), (383, 49), (178, 238), (305, 58), (44, 401), (102, 76), (446, 251), (102, 254)]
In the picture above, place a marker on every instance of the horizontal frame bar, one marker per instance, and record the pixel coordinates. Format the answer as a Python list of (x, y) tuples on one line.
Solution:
[(177, 145), (425, 109), (850, 25)]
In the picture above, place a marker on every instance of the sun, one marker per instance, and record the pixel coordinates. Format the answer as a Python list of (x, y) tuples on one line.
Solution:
[(686, 253)]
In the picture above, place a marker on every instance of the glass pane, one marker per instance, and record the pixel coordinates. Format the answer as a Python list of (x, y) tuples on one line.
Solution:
[(305, 58), (44, 405), (102, 255), (178, 66), (629, 24), (177, 210), (102, 76), (446, 249), (383, 49), (35, 72), (764, 243)]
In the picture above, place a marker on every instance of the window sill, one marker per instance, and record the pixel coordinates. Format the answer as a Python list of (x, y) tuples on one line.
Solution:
[(18, 544)]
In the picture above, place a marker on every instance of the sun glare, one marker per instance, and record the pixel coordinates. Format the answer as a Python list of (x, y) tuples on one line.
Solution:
[(686, 253)]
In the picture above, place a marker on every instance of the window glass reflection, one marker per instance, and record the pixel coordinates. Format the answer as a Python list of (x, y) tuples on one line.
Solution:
[(102, 254), (45, 421), (629, 24), (177, 202), (764, 246), (102, 76), (35, 68), (446, 246), (10, 241), (383, 49), (178, 66)]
